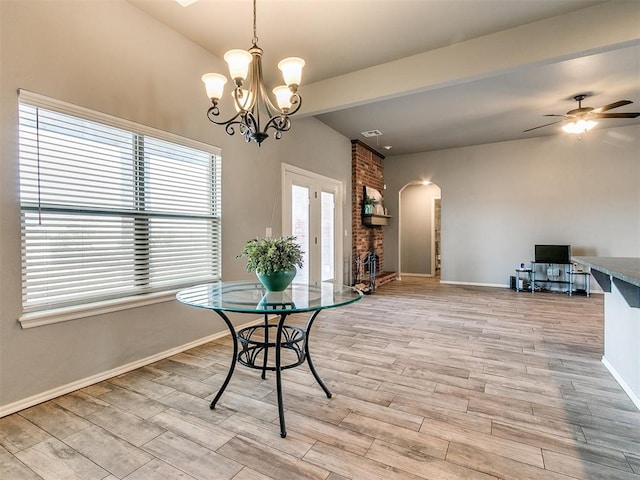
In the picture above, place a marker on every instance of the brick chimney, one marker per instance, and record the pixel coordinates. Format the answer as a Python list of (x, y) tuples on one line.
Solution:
[(366, 171)]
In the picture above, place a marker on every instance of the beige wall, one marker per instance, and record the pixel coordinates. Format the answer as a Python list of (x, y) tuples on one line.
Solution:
[(110, 57), (500, 199)]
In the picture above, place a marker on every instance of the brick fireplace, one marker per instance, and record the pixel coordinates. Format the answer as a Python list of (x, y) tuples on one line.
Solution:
[(367, 170)]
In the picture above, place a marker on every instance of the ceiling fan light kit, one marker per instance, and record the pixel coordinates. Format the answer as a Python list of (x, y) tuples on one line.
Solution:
[(579, 127), (245, 68), (582, 119)]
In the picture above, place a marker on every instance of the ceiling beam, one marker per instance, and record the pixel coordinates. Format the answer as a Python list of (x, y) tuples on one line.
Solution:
[(596, 29)]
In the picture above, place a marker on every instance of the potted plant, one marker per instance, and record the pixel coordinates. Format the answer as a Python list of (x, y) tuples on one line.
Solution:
[(274, 260)]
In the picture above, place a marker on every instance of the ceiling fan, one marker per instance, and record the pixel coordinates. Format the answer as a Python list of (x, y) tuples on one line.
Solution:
[(586, 114)]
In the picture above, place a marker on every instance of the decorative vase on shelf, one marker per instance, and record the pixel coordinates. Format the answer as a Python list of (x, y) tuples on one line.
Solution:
[(370, 205), (276, 281)]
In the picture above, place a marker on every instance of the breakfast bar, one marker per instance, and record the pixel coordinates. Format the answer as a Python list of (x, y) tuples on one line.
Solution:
[(619, 278)]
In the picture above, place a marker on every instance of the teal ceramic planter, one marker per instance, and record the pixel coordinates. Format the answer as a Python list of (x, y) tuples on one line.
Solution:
[(278, 281)]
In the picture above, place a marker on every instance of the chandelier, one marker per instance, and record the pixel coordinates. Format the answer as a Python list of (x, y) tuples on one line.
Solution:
[(245, 68)]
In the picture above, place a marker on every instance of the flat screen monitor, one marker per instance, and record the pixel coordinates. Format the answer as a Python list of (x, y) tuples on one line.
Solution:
[(553, 253)]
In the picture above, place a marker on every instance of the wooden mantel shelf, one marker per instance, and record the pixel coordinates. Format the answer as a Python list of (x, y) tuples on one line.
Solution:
[(373, 220)]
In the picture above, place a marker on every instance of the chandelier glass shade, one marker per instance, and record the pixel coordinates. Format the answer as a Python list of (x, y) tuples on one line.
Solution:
[(252, 103), (581, 126)]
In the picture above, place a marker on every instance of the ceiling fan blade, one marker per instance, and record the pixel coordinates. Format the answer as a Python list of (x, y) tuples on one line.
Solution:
[(546, 125), (617, 104), (618, 115), (553, 115)]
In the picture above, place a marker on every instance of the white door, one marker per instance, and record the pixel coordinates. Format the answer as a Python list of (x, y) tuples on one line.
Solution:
[(311, 211)]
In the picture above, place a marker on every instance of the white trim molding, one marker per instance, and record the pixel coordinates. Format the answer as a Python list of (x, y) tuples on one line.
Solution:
[(47, 317), (114, 372), (627, 389), (475, 284)]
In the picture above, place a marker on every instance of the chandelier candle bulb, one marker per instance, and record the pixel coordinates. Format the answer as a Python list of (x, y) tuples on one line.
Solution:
[(283, 97), (291, 69), (214, 83), (239, 61)]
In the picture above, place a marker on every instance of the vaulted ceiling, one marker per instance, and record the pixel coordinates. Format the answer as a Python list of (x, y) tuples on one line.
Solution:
[(433, 74)]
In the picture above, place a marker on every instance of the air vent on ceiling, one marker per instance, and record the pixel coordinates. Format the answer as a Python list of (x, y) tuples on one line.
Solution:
[(371, 133)]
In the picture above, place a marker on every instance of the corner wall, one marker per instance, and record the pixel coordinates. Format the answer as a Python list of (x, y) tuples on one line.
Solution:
[(500, 199)]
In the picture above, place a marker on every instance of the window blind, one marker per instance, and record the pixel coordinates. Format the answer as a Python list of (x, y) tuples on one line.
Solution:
[(110, 212)]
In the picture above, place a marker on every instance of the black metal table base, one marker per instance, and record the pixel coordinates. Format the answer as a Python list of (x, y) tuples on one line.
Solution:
[(288, 338)]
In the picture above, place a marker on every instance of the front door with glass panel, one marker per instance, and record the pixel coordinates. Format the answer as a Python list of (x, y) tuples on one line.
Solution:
[(311, 212)]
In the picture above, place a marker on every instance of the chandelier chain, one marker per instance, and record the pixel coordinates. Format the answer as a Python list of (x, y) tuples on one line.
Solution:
[(255, 34)]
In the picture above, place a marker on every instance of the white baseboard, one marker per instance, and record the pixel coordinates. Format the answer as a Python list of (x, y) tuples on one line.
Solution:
[(428, 275), (627, 389), (475, 284), (85, 382), (500, 285)]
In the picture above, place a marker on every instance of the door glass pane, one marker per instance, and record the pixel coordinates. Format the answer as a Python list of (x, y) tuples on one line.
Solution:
[(327, 235), (300, 226)]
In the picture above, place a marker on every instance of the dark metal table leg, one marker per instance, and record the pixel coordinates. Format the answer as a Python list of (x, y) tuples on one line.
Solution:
[(308, 355), (232, 331), (266, 345), (283, 429)]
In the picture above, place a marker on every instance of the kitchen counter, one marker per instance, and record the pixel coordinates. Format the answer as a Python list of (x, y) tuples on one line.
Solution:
[(619, 278), (624, 268)]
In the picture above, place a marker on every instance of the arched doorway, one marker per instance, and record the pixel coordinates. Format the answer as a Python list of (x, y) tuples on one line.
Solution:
[(419, 229)]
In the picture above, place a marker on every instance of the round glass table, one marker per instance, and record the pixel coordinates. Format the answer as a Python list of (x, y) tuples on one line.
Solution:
[(288, 341)]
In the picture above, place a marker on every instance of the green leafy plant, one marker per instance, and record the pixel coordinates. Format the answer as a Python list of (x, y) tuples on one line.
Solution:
[(269, 255), (371, 201)]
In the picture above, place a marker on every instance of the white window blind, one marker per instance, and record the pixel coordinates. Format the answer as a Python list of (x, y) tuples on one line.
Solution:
[(109, 210)]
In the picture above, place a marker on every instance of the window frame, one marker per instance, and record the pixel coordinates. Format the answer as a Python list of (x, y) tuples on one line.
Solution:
[(36, 316)]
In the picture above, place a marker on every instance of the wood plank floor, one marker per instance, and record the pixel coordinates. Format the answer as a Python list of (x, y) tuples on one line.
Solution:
[(430, 381)]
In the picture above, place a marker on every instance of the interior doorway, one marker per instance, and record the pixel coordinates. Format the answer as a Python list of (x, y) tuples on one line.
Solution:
[(420, 229)]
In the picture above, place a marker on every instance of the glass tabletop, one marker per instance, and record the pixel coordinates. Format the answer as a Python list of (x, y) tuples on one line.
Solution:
[(252, 297)]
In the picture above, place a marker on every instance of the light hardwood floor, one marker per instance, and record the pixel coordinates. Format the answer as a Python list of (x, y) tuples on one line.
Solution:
[(429, 381)]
